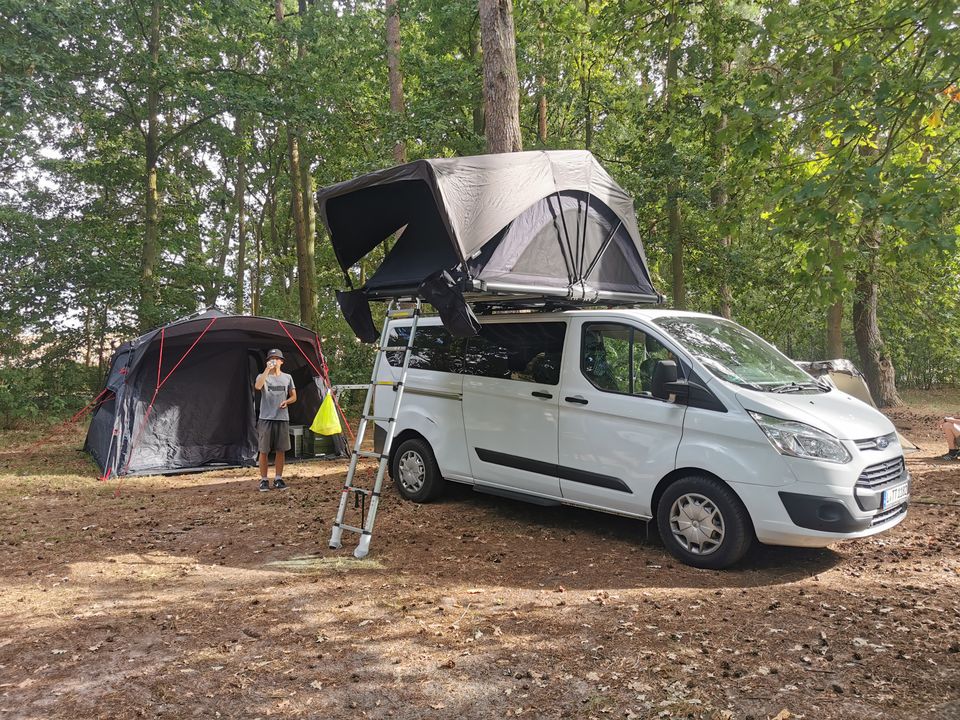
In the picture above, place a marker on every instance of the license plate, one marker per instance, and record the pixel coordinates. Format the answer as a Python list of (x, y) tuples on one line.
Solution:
[(894, 496)]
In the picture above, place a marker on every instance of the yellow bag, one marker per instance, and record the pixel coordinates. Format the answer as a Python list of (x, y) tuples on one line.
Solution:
[(327, 421)]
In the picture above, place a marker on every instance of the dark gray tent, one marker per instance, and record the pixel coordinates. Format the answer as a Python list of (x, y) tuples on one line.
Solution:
[(181, 397), (543, 224)]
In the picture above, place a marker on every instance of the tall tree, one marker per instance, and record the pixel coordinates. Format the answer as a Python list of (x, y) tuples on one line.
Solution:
[(395, 75), (306, 272), (674, 231), (501, 87)]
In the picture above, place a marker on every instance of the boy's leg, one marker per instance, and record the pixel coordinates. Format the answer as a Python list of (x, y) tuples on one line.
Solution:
[(949, 432), (281, 443), (264, 464)]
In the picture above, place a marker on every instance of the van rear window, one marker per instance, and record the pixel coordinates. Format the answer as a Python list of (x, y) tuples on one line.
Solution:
[(433, 349), (528, 352)]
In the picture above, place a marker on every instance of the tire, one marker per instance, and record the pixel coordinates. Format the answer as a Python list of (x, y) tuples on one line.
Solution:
[(415, 472), (703, 523)]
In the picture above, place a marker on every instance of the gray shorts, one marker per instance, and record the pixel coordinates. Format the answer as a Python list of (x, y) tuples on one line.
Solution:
[(273, 435)]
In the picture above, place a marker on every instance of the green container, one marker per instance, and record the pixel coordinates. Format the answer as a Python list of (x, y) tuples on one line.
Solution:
[(314, 444)]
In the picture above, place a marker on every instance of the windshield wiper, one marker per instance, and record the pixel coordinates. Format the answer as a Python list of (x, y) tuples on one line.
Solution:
[(795, 387)]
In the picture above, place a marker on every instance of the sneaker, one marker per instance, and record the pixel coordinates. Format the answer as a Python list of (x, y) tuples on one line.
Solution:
[(264, 486), (279, 484), (951, 455)]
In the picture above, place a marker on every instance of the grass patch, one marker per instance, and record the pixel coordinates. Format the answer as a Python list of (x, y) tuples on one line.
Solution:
[(942, 400), (320, 563)]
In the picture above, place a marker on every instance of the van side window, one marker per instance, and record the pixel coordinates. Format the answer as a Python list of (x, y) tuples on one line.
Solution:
[(620, 358), (433, 349), (529, 352)]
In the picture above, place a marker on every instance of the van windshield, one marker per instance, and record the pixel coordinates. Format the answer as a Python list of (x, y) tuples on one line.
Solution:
[(736, 355)]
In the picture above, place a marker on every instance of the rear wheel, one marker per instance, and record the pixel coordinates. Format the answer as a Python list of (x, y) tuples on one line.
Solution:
[(703, 523), (415, 471)]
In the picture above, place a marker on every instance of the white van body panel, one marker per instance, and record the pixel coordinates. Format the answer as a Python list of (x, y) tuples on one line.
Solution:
[(431, 406), (508, 427), (615, 448), (836, 412), (640, 441)]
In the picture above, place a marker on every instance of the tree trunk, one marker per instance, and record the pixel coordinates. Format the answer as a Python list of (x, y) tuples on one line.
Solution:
[(876, 363), (541, 85), (305, 278), (675, 237), (585, 83), (305, 270), (148, 312), (835, 311), (213, 288), (719, 198), (835, 347), (501, 87), (395, 76), (241, 209), (479, 121), (310, 230)]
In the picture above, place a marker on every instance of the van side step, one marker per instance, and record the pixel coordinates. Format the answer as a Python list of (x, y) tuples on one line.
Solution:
[(514, 495)]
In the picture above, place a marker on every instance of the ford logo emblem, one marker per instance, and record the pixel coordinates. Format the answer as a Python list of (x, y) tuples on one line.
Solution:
[(882, 443)]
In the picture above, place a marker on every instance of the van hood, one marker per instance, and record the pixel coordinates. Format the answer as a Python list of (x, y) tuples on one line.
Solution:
[(835, 412)]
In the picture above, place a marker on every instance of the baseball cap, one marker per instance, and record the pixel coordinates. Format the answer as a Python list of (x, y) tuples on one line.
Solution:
[(274, 354)]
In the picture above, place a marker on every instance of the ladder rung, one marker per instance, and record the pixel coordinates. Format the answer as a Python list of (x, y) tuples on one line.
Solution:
[(369, 454), (394, 348), (362, 491), (403, 313), (378, 418), (351, 528), (388, 382)]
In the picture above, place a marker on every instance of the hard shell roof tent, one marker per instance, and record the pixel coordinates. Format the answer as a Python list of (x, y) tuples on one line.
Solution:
[(510, 229), (181, 396)]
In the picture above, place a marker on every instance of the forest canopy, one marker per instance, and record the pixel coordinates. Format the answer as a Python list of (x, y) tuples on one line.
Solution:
[(794, 165)]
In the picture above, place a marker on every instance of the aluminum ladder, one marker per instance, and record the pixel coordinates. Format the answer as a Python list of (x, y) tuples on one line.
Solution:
[(394, 312)]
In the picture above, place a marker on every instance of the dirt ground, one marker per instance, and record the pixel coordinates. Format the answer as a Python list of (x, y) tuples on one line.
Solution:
[(196, 596)]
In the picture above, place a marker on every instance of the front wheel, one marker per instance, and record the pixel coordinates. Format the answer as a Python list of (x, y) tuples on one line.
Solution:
[(415, 471), (703, 523)]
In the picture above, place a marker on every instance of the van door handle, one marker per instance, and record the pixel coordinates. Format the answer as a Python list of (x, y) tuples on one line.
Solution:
[(576, 399), (539, 394)]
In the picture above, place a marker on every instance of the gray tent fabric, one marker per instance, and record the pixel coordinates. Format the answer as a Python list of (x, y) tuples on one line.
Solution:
[(204, 413), (561, 227)]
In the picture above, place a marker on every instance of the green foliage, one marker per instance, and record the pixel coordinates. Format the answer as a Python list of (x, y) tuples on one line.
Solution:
[(801, 140)]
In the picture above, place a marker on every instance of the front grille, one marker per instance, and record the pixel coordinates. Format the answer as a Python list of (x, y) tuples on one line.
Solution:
[(885, 515), (871, 443), (874, 476)]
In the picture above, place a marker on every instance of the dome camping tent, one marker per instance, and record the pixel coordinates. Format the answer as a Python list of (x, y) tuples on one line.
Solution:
[(181, 397)]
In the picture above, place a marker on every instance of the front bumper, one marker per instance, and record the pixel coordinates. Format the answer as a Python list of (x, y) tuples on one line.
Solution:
[(828, 504), (826, 514)]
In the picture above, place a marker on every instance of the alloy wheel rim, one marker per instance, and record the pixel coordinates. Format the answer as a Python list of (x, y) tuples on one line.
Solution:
[(412, 471), (697, 524)]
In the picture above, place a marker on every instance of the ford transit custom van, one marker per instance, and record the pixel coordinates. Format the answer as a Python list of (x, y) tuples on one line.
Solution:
[(683, 419)]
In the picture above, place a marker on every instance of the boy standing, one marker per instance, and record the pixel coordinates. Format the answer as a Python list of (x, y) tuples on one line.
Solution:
[(273, 429)]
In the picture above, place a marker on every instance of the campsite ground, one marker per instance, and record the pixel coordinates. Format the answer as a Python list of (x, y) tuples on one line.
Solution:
[(197, 596)]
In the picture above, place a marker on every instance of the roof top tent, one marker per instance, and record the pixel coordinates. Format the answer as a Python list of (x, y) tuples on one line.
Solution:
[(512, 229), (180, 398)]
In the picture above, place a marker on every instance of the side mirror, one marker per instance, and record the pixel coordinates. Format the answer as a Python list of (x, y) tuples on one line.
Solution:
[(664, 374)]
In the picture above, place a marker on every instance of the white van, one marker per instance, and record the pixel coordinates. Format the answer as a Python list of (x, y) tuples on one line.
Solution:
[(683, 418)]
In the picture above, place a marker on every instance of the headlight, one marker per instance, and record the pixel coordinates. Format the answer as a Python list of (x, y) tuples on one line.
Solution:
[(800, 440)]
